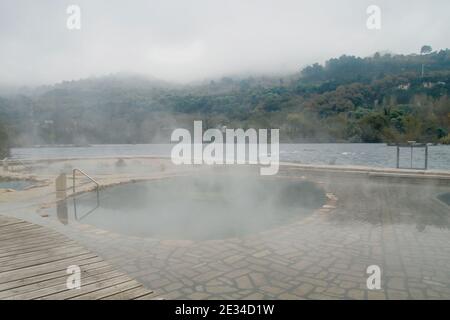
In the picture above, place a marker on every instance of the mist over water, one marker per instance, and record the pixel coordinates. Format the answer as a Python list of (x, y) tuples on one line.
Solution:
[(214, 205), (87, 116), (362, 154), (190, 41)]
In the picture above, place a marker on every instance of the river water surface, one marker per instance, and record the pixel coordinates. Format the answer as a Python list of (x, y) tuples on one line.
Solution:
[(361, 154)]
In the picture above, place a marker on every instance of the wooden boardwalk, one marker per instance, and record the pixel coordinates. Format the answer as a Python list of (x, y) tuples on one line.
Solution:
[(34, 262)]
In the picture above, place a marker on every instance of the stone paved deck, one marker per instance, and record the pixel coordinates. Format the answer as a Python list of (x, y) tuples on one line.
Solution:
[(377, 219), (400, 227), (34, 261)]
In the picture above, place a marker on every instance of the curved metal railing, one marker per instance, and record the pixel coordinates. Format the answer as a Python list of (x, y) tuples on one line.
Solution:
[(74, 172)]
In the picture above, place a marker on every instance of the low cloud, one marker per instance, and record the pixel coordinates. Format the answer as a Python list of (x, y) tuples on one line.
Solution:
[(198, 39)]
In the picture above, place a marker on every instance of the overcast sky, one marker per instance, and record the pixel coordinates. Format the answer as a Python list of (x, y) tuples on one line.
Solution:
[(185, 40)]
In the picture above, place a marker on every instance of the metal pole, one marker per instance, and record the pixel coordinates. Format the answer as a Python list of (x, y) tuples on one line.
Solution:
[(398, 157), (73, 180), (61, 186), (411, 155), (426, 156)]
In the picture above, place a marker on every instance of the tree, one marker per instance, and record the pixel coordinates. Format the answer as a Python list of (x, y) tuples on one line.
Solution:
[(4, 144), (446, 140), (425, 49), (372, 127)]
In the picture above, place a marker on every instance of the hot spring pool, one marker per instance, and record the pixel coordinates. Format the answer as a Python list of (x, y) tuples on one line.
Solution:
[(197, 208), (445, 198)]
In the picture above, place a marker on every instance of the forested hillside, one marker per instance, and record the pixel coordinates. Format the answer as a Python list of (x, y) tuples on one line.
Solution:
[(383, 98)]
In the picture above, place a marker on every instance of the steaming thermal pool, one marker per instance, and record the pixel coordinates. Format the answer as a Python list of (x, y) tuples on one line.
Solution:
[(269, 244), (197, 207)]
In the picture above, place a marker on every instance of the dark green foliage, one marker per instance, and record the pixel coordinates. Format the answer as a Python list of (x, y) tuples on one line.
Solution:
[(4, 144), (376, 99)]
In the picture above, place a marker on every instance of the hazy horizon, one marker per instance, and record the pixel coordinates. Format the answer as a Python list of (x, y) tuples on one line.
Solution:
[(182, 42)]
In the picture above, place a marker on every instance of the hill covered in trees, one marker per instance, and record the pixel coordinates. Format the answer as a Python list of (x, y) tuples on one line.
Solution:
[(383, 98)]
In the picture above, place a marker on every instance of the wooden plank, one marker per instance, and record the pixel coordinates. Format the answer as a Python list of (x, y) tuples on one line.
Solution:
[(105, 292), (29, 238), (49, 244), (18, 255), (40, 255), (45, 268), (14, 224), (11, 229), (49, 283), (129, 294), (27, 234), (88, 287), (9, 222), (21, 235), (60, 290), (29, 243), (6, 220), (150, 296), (43, 259), (33, 246), (52, 275), (5, 225), (17, 227), (34, 261)]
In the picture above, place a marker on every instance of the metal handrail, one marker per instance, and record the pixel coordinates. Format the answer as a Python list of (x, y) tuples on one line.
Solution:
[(74, 200), (86, 175), (87, 213)]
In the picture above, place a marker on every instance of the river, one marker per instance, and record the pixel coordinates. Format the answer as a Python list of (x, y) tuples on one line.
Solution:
[(361, 154)]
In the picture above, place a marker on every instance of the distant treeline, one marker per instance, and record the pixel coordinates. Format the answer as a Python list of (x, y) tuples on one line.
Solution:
[(4, 142), (384, 98)]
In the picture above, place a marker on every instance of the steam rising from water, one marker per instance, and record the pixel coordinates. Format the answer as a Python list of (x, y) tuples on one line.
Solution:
[(206, 206)]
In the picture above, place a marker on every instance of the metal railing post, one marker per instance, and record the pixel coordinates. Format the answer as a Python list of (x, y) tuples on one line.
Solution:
[(398, 157), (84, 174), (74, 190)]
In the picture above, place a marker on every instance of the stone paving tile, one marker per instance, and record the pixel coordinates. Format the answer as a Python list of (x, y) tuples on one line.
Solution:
[(322, 257), (303, 290)]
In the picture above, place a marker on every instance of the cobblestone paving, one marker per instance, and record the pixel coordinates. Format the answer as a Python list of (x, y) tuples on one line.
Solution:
[(401, 228)]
